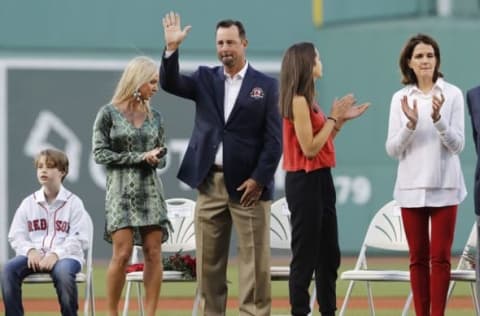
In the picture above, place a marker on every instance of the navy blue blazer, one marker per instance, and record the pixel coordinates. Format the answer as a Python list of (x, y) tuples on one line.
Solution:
[(252, 135), (473, 102)]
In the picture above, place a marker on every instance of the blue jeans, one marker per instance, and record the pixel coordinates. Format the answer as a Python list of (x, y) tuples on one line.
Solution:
[(63, 275)]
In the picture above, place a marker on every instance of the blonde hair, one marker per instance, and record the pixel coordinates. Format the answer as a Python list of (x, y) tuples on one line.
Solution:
[(54, 159), (138, 71)]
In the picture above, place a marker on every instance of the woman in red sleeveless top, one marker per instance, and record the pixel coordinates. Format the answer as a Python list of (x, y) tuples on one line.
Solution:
[(308, 156)]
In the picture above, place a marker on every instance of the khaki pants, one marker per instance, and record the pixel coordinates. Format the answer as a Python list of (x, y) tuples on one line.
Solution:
[(214, 215)]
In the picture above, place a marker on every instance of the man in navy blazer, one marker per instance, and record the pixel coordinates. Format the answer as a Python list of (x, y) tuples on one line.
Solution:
[(231, 159), (473, 102)]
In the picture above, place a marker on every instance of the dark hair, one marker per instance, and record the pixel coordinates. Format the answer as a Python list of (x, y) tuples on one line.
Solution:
[(229, 22), (54, 159), (296, 76), (408, 76)]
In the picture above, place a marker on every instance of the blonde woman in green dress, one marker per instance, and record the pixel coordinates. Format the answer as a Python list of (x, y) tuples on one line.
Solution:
[(129, 139)]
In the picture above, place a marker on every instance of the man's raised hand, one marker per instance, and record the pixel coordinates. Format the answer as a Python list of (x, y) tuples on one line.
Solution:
[(172, 29)]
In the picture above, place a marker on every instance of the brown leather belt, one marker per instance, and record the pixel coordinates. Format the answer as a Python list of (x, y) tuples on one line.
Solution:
[(216, 168)]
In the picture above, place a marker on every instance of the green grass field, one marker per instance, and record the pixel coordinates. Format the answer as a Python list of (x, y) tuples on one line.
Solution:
[(279, 290)]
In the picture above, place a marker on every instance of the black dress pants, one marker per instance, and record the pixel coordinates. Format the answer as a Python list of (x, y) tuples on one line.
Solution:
[(311, 200)]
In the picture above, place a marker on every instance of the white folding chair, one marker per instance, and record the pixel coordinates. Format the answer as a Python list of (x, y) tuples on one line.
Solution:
[(465, 270), (181, 214), (81, 277), (280, 237), (385, 233)]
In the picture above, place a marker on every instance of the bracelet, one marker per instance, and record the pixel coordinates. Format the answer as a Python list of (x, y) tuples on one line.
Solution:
[(332, 118)]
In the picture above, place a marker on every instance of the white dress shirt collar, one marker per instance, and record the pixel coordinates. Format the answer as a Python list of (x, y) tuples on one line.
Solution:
[(438, 87), (239, 75)]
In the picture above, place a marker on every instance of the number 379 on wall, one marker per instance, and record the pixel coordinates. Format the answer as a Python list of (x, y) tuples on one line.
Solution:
[(356, 190)]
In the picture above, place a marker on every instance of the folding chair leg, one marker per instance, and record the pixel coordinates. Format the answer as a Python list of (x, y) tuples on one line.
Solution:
[(86, 303), (475, 299), (346, 298), (89, 303), (92, 299), (140, 298), (196, 303), (370, 299), (312, 299), (451, 286), (127, 299), (408, 302)]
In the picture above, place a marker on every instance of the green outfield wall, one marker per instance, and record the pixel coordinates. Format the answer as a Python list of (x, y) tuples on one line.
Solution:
[(60, 60)]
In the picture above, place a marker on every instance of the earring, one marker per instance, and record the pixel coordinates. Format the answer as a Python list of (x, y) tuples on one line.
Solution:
[(137, 95)]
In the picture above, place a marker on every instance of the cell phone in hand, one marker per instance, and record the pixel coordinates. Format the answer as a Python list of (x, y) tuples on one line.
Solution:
[(163, 152)]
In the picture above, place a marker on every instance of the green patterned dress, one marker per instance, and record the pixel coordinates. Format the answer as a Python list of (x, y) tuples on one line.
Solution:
[(134, 192)]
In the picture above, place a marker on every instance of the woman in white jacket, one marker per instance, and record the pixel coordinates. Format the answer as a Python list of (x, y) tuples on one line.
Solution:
[(426, 134)]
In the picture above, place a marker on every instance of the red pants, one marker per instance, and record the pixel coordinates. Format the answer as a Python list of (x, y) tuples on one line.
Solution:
[(430, 257)]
